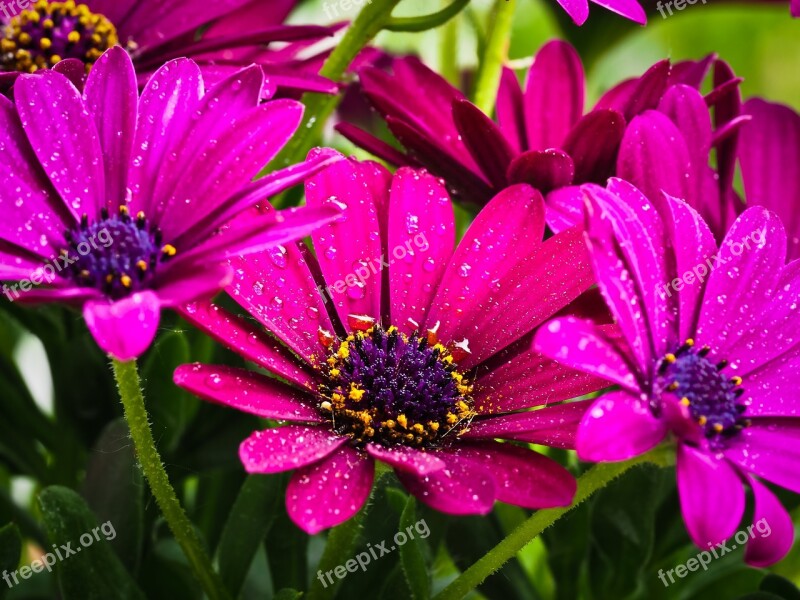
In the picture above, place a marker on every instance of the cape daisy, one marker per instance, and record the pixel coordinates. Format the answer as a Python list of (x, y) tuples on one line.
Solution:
[(714, 362), (236, 34), (542, 137), (124, 205), (394, 347)]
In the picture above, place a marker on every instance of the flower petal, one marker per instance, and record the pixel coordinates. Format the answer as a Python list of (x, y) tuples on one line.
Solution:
[(331, 491), (769, 449), (545, 170), (246, 391), (705, 484), (288, 447), (405, 458), (421, 239), (125, 328), (773, 533), (618, 426)]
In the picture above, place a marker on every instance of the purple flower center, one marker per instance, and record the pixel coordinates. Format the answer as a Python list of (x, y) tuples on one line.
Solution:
[(117, 255), (49, 32), (710, 395), (389, 388)]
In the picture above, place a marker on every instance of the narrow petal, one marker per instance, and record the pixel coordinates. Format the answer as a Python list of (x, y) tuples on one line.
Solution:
[(331, 491), (246, 391), (484, 140), (618, 426), (525, 378), (554, 89), (748, 267), (769, 153), (593, 144), (769, 449), (112, 100), (351, 243), (421, 239), (288, 447), (510, 110), (126, 328), (630, 9), (408, 459), (249, 340), (545, 170), (64, 138), (554, 426), (564, 208), (522, 477), (458, 489), (706, 483), (772, 535)]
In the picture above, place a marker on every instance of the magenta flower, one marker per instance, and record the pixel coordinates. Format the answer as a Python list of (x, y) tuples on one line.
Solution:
[(769, 154), (710, 356), (578, 10), (237, 33), (397, 348), (124, 205), (542, 136)]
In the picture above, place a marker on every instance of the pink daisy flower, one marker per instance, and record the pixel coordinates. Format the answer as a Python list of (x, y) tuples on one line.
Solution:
[(393, 346)]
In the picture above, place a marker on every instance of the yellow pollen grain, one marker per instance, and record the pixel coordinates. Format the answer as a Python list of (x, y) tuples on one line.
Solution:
[(330, 360), (334, 372), (125, 281), (670, 358), (24, 38), (451, 419), (434, 426), (690, 342), (702, 420), (718, 427), (141, 265), (326, 406), (55, 59), (390, 424), (355, 393), (403, 420), (418, 428), (685, 401), (47, 23), (45, 43), (736, 380), (169, 250), (74, 37)]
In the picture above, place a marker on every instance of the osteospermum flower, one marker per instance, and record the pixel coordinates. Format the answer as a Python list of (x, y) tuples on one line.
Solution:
[(578, 10), (710, 356), (236, 34), (397, 348), (542, 136), (124, 205)]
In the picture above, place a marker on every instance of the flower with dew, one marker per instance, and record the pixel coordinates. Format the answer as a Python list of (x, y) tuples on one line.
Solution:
[(391, 346), (709, 356), (542, 136), (236, 34), (123, 204)]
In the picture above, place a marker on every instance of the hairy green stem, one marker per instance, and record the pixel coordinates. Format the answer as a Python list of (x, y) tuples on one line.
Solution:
[(593, 480), (487, 79), (130, 391)]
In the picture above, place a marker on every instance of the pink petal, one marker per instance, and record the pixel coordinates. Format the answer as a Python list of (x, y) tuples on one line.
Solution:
[(458, 489), (246, 391), (249, 340), (421, 239), (125, 328), (630, 9), (772, 530), (618, 426), (352, 243), (288, 447), (554, 89), (64, 138), (331, 491), (705, 484), (522, 477), (407, 459), (112, 100), (769, 448)]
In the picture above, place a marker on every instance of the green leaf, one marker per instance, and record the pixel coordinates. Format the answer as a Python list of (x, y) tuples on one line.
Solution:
[(623, 521), (288, 594), (779, 586), (114, 490), (170, 407), (412, 557), (250, 519), (93, 571), (286, 552)]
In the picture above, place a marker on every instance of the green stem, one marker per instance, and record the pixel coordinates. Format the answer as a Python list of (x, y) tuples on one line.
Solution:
[(448, 52), (594, 479), (130, 392), (369, 22), (487, 79), (426, 22)]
